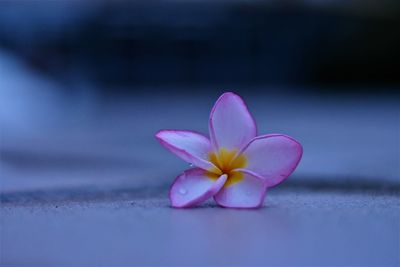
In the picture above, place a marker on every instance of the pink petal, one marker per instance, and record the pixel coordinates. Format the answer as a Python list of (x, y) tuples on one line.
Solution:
[(248, 193), (272, 157), (190, 146), (193, 187), (231, 124)]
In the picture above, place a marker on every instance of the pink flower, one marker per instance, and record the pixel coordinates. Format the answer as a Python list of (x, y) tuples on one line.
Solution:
[(235, 166)]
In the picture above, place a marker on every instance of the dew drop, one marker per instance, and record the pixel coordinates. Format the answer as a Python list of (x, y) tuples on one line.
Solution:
[(182, 191), (191, 165)]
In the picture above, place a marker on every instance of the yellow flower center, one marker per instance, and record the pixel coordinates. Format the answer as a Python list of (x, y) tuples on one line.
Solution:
[(226, 162)]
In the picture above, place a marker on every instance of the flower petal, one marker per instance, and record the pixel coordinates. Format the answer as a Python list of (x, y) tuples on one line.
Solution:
[(190, 146), (248, 193), (231, 124), (193, 187), (272, 157)]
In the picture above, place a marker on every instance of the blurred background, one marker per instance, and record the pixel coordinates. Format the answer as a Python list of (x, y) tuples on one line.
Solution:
[(84, 85)]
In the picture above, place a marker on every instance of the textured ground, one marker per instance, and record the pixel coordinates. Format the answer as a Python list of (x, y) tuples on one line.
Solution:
[(294, 228)]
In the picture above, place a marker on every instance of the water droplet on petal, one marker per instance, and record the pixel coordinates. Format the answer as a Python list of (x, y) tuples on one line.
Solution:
[(191, 165), (182, 191)]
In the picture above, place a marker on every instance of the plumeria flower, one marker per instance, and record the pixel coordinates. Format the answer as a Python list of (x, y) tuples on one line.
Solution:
[(234, 165)]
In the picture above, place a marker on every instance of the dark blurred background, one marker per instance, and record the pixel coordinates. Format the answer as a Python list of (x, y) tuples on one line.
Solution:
[(127, 44), (84, 85)]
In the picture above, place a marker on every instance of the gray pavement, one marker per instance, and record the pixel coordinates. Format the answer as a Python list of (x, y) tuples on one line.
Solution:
[(293, 229), (94, 193)]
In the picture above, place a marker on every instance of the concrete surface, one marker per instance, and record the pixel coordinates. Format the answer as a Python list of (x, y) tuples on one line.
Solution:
[(94, 194), (293, 229)]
